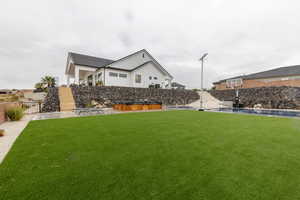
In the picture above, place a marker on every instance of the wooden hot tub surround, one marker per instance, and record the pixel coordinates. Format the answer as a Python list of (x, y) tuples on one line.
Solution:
[(132, 106)]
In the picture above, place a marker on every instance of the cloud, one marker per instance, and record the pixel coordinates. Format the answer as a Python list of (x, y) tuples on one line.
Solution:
[(240, 36)]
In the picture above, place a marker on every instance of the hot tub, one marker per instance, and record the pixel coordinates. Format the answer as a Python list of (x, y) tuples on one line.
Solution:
[(137, 105)]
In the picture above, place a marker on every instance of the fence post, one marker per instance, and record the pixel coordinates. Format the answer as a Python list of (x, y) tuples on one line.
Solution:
[(40, 106)]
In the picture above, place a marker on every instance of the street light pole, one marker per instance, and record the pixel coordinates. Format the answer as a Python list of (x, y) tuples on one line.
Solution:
[(201, 94)]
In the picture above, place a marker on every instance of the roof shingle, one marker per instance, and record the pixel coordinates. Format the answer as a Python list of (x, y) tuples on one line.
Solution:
[(81, 59)]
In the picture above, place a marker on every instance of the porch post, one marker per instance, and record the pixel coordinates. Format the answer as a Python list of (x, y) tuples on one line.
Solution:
[(68, 80), (94, 79), (77, 75)]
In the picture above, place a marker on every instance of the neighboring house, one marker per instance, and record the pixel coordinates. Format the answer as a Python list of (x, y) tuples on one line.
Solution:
[(7, 91), (4, 91), (176, 85), (283, 76), (139, 69)]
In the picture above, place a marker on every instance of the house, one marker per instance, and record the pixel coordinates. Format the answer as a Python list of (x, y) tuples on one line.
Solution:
[(176, 85), (282, 76), (139, 69), (5, 91)]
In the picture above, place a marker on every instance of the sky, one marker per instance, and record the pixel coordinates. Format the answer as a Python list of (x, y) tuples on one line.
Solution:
[(240, 37)]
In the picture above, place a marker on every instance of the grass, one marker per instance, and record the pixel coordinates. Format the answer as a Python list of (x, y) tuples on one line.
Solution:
[(176, 155)]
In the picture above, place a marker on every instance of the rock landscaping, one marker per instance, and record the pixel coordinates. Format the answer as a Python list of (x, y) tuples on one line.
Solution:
[(265, 97), (107, 96), (51, 103)]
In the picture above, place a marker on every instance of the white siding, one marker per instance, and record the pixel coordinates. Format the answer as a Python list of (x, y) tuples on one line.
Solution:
[(146, 71), (117, 81), (132, 61)]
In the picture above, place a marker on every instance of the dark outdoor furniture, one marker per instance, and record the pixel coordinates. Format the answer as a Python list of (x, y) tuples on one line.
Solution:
[(80, 111)]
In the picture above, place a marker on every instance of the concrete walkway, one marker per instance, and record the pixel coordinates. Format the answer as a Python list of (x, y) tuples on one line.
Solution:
[(68, 114), (209, 102), (12, 131)]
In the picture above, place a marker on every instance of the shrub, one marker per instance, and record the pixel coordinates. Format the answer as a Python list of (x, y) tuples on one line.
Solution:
[(15, 114), (89, 105), (14, 98)]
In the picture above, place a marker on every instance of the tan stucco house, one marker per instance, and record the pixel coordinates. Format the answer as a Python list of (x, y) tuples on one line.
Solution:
[(282, 76)]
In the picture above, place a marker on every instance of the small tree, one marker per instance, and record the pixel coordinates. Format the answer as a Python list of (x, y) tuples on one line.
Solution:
[(46, 82)]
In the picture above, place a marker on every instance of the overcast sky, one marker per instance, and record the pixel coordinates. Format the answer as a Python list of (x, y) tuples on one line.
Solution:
[(240, 36)]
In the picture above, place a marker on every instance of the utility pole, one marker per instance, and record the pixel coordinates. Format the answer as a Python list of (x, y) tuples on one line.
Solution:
[(201, 94)]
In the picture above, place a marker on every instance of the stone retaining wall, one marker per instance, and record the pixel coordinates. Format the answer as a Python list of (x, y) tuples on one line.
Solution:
[(51, 102), (83, 95), (269, 97)]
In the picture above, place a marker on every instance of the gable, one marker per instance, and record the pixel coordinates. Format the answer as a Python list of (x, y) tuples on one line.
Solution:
[(150, 69), (132, 61), (136, 60)]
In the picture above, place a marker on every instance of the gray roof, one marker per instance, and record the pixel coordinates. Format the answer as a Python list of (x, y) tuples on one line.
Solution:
[(277, 72), (91, 61), (129, 69)]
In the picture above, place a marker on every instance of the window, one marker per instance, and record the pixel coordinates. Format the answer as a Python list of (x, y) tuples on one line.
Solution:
[(123, 75), (138, 78), (143, 55), (113, 74), (150, 77), (155, 78)]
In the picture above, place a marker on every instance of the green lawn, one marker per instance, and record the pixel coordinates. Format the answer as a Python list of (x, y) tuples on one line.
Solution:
[(157, 155)]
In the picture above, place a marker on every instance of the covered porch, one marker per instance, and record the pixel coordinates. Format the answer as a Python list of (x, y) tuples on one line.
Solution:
[(81, 75)]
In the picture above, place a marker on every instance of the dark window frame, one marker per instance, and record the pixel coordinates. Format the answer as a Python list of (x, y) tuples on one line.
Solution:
[(122, 75), (113, 74)]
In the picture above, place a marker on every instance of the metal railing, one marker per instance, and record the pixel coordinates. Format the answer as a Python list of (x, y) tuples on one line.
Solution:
[(32, 107)]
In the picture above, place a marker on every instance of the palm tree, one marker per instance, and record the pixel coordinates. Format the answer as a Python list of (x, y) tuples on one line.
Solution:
[(49, 81)]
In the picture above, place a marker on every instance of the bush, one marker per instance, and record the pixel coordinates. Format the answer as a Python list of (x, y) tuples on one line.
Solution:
[(89, 105), (15, 114)]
